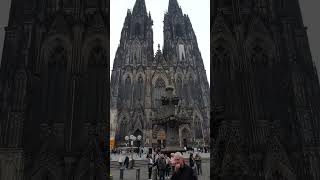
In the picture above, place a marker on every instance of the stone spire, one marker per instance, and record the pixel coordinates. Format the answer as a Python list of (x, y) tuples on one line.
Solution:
[(174, 7), (139, 8)]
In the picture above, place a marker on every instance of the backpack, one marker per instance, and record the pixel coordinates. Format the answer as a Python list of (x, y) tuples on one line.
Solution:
[(161, 163)]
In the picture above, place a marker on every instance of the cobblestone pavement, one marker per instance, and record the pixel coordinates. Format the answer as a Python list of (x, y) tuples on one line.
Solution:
[(130, 174)]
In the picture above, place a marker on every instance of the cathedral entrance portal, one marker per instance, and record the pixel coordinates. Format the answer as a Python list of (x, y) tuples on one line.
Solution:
[(161, 138), (185, 137), (137, 133)]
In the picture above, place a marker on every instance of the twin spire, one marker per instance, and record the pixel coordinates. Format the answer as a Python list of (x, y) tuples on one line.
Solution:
[(140, 7)]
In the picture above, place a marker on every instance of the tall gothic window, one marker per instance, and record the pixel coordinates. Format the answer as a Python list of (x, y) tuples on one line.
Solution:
[(123, 128), (196, 91), (140, 89), (159, 90), (190, 89), (57, 67), (198, 128), (127, 90), (179, 31), (179, 87), (95, 81), (137, 29)]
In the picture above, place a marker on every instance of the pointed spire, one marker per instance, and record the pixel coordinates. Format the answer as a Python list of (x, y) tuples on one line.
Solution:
[(174, 7), (139, 8)]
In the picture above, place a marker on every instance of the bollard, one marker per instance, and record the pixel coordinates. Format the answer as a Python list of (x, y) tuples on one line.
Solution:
[(121, 173), (138, 174)]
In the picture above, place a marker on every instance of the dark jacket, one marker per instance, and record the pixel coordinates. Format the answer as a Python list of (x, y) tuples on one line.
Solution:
[(185, 173)]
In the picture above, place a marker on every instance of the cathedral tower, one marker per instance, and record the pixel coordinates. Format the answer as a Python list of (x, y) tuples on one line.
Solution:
[(264, 79), (139, 77)]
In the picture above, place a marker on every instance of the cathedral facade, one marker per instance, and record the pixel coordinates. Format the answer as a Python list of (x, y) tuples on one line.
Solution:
[(140, 76), (265, 93), (54, 90)]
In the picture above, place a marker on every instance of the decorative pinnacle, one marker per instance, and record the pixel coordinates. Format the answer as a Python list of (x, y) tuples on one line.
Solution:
[(159, 47)]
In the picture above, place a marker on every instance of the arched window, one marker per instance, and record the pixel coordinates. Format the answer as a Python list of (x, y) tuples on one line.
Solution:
[(190, 89), (57, 69), (139, 89), (179, 31), (95, 82), (127, 90), (123, 128), (159, 89), (179, 87), (197, 128), (137, 29)]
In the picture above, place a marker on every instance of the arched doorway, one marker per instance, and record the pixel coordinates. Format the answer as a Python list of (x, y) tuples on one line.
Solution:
[(185, 137), (161, 138), (137, 133)]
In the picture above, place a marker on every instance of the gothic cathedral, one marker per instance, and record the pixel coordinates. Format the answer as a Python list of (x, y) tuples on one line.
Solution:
[(265, 94), (139, 78), (54, 90)]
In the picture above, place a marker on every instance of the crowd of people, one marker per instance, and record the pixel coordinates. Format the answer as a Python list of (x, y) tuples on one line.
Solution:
[(172, 166), (161, 166)]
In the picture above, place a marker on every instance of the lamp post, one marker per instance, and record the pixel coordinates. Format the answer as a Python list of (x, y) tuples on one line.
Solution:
[(132, 139), (127, 140), (139, 144)]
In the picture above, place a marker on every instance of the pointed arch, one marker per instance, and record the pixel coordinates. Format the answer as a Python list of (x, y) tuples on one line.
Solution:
[(127, 89), (259, 42), (277, 162), (46, 165), (139, 87), (122, 124), (96, 45), (185, 136), (55, 52), (179, 85), (158, 91)]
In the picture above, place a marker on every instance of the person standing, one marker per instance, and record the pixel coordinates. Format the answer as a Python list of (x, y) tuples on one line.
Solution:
[(198, 163), (126, 162), (154, 172), (182, 171), (162, 167), (168, 166), (172, 162), (192, 163)]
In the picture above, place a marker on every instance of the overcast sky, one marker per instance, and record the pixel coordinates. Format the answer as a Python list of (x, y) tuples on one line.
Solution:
[(198, 11)]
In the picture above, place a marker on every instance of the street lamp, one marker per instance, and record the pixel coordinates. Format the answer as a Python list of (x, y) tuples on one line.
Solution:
[(132, 138), (139, 144), (127, 140)]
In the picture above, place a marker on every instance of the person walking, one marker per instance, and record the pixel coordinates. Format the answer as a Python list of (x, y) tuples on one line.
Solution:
[(192, 163), (162, 167), (154, 172), (126, 162), (150, 165), (182, 171), (198, 163), (172, 162), (120, 160), (168, 166)]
